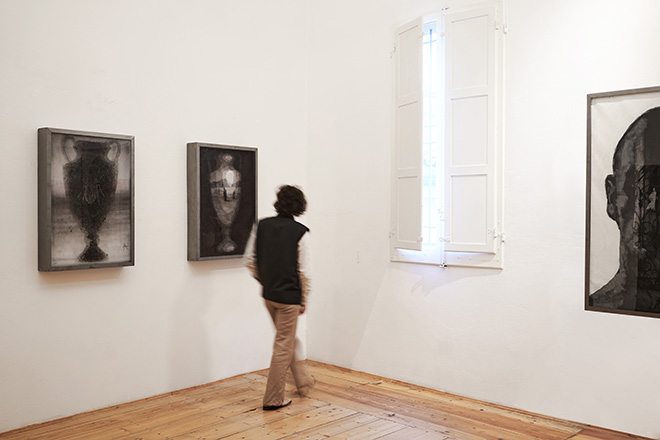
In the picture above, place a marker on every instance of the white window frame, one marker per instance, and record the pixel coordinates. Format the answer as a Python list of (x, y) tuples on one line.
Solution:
[(488, 251)]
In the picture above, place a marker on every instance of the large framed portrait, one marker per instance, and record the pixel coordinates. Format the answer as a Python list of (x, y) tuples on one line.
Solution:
[(222, 200), (85, 197), (623, 210)]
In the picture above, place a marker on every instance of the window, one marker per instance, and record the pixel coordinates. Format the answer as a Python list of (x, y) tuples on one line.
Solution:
[(447, 161), (431, 136)]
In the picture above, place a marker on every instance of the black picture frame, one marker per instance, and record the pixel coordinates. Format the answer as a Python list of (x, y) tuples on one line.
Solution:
[(85, 200), (622, 270), (222, 199)]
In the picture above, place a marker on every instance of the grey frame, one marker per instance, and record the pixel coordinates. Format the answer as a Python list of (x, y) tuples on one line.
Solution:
[(46, 211), (591, 155), (196, 217)]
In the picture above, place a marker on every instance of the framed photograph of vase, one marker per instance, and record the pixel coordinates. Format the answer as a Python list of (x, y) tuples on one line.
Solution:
[(85, 197), (623, 210), (222, 200)]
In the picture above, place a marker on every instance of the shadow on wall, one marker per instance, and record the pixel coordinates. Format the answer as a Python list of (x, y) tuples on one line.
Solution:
[(190, 359), (80, 276), (431, 277), (344, 302), (189, 351)]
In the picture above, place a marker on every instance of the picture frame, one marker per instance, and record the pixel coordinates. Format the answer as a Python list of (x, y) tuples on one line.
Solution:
[(222, 199), (622, 262), (85, 200)]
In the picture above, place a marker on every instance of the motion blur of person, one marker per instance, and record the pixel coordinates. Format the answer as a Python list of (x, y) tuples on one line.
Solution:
[(277, 256)]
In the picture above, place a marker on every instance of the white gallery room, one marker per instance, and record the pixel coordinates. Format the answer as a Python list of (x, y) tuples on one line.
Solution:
[(481, 205)]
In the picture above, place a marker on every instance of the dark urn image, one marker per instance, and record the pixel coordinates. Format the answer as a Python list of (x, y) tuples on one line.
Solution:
[(90, 181)]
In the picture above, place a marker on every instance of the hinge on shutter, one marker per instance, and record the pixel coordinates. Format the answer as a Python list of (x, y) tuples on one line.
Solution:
[(392, 233), (495, 234), (393, 51), (502, 26), (444, 16)]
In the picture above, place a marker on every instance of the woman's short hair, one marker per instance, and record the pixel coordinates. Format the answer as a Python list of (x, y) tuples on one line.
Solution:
[(290, 201)]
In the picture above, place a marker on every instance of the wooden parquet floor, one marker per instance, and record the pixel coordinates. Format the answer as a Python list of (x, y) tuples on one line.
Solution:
[(344, 405)]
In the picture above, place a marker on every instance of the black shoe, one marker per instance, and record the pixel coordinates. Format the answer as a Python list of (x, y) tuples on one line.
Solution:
[(274, 407)]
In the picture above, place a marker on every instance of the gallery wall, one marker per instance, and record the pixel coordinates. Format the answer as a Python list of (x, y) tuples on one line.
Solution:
[(517, 336), (309, 82), (168, 73)]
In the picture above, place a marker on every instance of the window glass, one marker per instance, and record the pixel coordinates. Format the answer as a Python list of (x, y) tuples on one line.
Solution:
[(431, 159)]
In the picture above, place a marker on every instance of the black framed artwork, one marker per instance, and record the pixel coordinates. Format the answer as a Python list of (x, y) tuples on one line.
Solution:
[(623, 210), (86, 200), (222, 200)]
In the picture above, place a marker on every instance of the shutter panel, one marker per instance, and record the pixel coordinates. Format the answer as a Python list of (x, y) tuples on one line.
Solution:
[(407, 194), (471, 137)]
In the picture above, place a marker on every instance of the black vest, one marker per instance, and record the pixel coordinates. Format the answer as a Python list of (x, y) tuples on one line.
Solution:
[(277, 258)]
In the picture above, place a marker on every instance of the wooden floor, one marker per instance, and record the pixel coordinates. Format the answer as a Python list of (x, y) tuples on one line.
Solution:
[(343, 405)]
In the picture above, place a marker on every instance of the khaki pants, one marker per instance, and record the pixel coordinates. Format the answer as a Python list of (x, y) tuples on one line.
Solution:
[(285, 318)]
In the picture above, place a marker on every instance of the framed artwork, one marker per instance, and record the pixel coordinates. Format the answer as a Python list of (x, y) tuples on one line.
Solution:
[(623, 210), (222, 200), (85, 197)]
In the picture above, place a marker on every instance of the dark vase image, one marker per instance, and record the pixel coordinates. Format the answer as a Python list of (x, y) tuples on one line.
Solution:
[(90, 182), (225, 184)]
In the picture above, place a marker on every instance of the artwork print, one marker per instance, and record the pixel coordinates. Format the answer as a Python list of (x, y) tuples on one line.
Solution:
[(85, 200), (623, 210), (222, 200)]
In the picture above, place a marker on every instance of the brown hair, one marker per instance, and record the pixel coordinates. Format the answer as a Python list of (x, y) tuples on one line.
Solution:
[(290, 201)]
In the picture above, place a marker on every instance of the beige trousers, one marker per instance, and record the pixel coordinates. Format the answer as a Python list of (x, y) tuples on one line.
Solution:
[(285, 318)]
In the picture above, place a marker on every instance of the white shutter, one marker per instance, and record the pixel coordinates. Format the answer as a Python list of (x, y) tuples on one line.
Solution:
[(407, 194), (471, 61)]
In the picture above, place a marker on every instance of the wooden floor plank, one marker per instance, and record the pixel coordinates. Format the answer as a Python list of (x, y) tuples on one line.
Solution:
[(365, 405), (135, 423), (291, 425), (426, 435), (408, 433), (458, 416), (103, 422), (369, 431), (250, 419), (444, 422), (469, 407), (344, 405), (334, 427), (602, 434)]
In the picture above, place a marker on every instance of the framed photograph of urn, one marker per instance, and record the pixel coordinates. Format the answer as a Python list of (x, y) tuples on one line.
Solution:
[(222, 200), (85, 198), (623, 209)]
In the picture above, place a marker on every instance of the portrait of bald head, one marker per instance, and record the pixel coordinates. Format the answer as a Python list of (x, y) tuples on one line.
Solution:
[(631, 192)]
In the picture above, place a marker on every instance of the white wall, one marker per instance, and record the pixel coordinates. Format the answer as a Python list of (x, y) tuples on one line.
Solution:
[(309, 83), (167, 72), (519, 336)]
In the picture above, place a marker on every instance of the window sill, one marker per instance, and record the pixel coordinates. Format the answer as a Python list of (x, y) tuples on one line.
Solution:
[(436, 257)]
